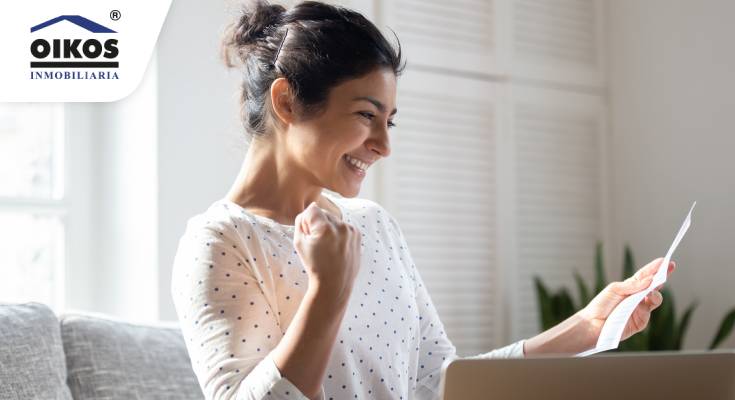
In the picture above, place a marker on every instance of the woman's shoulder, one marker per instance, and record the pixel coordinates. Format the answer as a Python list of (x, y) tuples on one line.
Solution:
[(218, 237), (358, 205), (221, 221), (363, 210)]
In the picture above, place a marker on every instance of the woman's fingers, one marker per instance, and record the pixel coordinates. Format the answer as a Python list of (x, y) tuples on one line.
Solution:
[(649, 269), (654, 299), (642, 314), (315, 217), (641, 280), (672, 267), (630, 286)]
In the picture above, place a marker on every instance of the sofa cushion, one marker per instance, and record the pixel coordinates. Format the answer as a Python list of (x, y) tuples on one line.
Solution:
[(109, 358), (32, 362)]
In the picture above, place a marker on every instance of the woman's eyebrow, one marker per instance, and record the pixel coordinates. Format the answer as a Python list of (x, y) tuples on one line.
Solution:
[(375, 102)]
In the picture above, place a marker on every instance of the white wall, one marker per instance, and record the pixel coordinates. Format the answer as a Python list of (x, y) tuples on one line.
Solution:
[(672, 129), (113, 267), (199, 142), (160, 156)]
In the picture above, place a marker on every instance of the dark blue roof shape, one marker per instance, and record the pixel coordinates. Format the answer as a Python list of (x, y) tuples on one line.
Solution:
[(77, 20)]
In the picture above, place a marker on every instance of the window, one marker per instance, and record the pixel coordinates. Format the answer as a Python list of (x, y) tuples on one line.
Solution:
[(32, 203)]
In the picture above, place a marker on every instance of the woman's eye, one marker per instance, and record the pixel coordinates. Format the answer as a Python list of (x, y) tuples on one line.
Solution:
[(367, 115), (370, 117)]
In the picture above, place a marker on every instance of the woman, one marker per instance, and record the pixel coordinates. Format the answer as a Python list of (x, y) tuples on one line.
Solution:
[(287, 292)]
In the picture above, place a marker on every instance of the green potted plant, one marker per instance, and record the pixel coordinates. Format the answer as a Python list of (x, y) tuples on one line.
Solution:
[(664, 331)]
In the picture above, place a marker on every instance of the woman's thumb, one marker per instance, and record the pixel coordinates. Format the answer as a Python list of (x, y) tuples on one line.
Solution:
[(297, 226), (306, 221), (638, 284), (630, 286)]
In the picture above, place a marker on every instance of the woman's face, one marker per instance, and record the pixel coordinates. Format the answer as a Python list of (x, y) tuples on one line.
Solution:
[(352, 127)]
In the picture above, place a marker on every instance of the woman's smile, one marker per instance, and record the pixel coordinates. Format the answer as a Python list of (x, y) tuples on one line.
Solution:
[(356, 166)]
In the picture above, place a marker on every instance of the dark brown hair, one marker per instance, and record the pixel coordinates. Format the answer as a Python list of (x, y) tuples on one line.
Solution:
[(325, 46)]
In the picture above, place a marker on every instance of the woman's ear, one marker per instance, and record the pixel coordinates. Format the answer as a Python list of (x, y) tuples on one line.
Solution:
[(282, 101)]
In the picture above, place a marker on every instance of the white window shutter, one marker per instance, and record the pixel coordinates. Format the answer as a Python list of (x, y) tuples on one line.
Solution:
[(459, 35), (558, 41), (440, 185), (558, 140)]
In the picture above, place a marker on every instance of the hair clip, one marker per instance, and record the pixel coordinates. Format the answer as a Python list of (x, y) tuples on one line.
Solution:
[(273, 64)]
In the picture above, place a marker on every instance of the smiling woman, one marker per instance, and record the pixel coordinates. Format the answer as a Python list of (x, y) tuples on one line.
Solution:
[(319, 89), (287, 292)]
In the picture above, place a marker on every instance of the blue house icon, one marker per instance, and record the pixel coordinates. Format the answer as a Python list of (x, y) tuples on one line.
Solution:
[(77, 20)]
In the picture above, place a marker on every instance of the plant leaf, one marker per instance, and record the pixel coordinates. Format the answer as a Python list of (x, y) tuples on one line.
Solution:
[(662, 324), (628, 263), (544, 303), (600, 280), (724, 330), (584, 294), (565, 305), (681, 330), (637, 342)]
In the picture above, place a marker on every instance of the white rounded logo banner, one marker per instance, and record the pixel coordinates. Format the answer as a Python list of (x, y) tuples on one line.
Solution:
[(76, 51)]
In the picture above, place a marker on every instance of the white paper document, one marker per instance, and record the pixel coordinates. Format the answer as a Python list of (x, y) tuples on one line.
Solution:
[(612, 331)]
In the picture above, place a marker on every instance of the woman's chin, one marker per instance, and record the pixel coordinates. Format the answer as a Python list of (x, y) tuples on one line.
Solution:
[(351, 190), (352, 182), (345, 189)]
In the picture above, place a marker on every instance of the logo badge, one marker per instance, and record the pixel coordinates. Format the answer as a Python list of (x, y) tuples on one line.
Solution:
[(76, 50), (63, 57)]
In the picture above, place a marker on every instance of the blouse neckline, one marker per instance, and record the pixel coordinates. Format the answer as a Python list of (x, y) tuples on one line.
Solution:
[(289, 228)]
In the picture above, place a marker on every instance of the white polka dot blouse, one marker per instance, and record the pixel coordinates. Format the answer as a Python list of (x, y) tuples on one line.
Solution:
[(237, 283)]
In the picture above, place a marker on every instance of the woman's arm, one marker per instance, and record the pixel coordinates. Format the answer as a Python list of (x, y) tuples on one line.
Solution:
[(330, 251), (226, 317), (571, 336), (303, 353), (579, 332)]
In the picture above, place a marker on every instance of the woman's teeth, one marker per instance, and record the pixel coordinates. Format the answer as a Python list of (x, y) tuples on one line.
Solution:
[(357, 163)]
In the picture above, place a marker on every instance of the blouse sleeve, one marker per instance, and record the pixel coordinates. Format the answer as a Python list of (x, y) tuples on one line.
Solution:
[(436, 351), (226, 319)]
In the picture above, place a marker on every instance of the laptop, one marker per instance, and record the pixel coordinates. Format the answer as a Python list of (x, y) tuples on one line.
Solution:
[(606, 376)]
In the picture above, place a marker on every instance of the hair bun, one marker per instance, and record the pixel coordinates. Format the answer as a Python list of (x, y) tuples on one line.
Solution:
[(252, 26)]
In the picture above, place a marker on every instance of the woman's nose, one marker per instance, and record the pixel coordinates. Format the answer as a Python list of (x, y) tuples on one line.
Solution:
[(380, 143)]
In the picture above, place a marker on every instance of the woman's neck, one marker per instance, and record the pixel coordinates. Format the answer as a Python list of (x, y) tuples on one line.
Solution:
[(269, 185)]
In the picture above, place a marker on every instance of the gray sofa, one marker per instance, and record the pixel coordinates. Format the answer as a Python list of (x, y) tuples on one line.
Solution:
[(90, 356)]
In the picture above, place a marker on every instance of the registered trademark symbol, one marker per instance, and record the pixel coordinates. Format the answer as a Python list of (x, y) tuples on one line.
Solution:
[(115, 15)]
